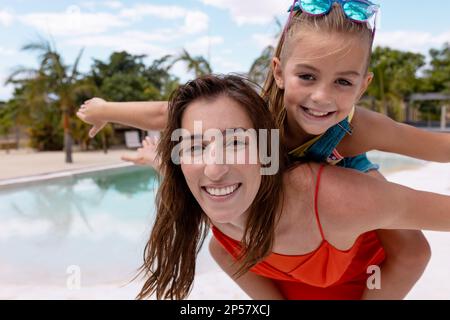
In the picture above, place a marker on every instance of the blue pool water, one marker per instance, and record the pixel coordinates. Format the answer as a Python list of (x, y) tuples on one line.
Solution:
[(390, 163), (98, 222)]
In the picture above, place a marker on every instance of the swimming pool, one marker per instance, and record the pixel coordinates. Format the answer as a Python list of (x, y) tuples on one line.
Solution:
[(98, 223), (390, 163)]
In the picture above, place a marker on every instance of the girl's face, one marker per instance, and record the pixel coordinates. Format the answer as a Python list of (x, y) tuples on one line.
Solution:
[(323, 76), (224, 189)]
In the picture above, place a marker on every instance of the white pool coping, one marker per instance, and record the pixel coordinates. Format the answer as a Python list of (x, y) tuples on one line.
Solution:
[(44, 177)]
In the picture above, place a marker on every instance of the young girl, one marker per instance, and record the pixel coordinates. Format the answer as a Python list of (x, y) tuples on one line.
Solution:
[(318, 74), (305, 232)]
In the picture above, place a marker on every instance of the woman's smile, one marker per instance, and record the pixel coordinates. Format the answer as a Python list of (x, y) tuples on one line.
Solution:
[(221, 193)]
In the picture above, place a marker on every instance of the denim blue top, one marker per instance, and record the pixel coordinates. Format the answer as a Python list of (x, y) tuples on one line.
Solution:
[(323, 149)]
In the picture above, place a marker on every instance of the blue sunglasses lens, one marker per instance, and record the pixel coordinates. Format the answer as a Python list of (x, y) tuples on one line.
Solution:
[(315, 6), (359, 11)]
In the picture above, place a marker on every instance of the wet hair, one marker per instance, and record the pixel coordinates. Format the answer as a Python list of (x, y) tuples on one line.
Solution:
[(333, 22), (181, 225)]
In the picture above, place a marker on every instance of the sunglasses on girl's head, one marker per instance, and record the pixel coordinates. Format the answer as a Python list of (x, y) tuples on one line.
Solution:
[(356, 10)]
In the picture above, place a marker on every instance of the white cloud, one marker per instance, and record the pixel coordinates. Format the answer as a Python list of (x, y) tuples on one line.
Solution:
[(195, 22), (113, 4), (6, 52), (142, 10), (6, 18), (412, 40), (5, 91), (161, 35), (73, 22), (133, 42), (91, 5), (139, 42), (225, 65), (203, 45), (263, 40), (251, 12)]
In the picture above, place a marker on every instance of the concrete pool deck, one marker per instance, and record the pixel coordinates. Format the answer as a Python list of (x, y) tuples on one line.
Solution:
[(20, 166)]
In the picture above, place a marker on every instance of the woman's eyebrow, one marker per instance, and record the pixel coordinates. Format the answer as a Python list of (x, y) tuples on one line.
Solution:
[(224, 132)]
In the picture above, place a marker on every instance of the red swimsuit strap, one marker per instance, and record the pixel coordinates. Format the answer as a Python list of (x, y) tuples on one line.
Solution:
[(316, 196)]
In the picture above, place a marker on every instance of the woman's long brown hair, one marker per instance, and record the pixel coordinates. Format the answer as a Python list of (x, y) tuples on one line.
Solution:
[(181, 226)]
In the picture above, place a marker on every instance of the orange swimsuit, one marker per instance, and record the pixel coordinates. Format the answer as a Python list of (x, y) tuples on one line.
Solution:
[(324, 274)]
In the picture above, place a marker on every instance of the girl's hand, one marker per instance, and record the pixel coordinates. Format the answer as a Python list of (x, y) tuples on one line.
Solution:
[(91, 112), (147, 155)]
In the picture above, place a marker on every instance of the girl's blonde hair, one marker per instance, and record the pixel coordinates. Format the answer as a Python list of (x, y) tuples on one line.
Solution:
[(333, 22)]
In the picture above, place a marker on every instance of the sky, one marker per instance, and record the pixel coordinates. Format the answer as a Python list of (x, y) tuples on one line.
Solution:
[(229, 33)]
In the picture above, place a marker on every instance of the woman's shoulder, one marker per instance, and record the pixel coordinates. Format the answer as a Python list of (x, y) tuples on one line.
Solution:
[(303, 175), (336, 185), (300, 175)]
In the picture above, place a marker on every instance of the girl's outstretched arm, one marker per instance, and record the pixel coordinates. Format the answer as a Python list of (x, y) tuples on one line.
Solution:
[(151, 115), (355, 203), (374, 131), (408, 254)]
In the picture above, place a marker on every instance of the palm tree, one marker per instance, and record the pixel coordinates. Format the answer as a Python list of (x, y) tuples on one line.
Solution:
[(60, 81), (260, 67), (198, 64)]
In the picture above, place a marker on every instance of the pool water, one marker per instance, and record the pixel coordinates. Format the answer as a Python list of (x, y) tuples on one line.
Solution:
[(390, 163), (98, 222)]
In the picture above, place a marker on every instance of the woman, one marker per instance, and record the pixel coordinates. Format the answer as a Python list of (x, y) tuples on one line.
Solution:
[(305, 232)]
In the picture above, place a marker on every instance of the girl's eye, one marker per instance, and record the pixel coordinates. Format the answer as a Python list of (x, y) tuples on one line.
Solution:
[(344, 82), (306, 77)]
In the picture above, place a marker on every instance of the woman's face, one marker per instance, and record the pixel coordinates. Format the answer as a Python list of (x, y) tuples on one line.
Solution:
[(224, 187)]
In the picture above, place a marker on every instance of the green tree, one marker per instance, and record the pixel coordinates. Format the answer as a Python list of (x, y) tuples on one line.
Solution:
[(260, 67), (6, 121), (395, 78), (52, 84), (437, 77), (199, 65), (158, 74), (125, 77)]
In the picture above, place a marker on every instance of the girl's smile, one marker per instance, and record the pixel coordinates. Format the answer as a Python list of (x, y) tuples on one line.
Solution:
[(323, 76)]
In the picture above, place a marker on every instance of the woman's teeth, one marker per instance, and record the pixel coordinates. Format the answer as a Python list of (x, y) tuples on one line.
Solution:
[(222, 191)]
